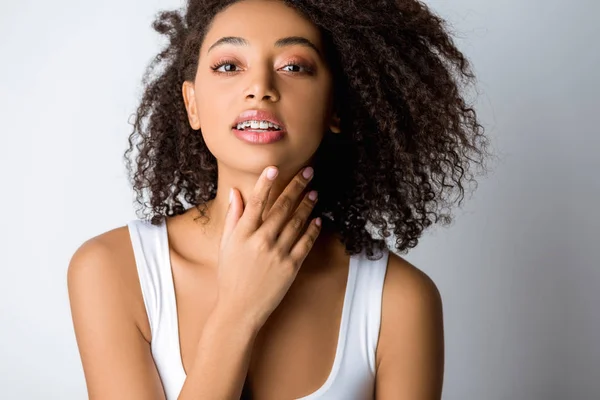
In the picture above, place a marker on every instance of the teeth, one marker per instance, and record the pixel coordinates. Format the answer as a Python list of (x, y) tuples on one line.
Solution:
[(257, 125)]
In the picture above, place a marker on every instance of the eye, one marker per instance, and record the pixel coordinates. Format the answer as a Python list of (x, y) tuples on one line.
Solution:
[(296, 68), (228, 67), (224, 67)]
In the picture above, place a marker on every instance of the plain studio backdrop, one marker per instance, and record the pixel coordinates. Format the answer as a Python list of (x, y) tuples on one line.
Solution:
[(518, 269)]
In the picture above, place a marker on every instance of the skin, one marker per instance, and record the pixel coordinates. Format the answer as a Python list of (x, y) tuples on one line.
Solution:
[(293, 81), (293, 352)]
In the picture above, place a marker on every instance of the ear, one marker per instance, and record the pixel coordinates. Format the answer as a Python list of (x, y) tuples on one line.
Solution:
[(189, 98), (334, 124)]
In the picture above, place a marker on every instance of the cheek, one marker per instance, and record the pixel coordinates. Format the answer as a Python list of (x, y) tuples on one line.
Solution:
[(214, 106), (311, 106), (307, 113)]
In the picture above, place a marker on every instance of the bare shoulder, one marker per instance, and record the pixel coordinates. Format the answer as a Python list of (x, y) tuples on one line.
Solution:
[(97, 261), (103, 261), (104, 247), (410, 353), (106, 263), (407, 287), (106, 306), (411, 304), (113, 242)]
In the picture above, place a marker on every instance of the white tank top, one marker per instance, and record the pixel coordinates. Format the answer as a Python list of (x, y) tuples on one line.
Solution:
[(352, 376)]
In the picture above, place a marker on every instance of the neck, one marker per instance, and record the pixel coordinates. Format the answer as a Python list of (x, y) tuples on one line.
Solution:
[(211, 221), (244, 182)]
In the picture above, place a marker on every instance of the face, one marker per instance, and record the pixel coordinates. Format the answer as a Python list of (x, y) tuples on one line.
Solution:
[(271, 59)]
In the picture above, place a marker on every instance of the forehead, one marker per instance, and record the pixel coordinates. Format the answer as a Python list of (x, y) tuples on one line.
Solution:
[(261, 22)]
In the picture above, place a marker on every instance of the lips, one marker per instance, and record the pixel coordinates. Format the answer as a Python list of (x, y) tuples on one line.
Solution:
[(258, 115), (258, 136), (254, 137)]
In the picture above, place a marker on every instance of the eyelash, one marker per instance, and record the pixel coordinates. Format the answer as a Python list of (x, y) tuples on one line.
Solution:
[(215, 67)]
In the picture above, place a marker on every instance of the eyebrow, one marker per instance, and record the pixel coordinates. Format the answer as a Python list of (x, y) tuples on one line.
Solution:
[(283, 42)]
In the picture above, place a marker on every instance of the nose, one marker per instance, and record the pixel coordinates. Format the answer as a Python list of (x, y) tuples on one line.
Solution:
[(261, 86)]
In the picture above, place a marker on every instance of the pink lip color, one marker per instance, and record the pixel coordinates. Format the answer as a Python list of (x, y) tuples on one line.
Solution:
[(258, 115), (254, 137)]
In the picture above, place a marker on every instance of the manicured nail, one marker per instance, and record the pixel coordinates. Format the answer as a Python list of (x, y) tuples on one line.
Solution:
[(318, 221), (312, 195), (272, 173), (307, 173)]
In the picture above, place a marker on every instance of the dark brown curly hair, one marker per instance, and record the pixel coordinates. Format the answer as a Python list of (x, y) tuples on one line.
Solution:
[(409, 140)]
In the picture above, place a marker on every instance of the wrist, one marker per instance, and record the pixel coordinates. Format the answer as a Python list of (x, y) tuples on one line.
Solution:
[(225, 315)]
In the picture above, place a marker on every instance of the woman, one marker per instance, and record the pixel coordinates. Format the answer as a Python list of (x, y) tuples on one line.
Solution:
[(260, 287)]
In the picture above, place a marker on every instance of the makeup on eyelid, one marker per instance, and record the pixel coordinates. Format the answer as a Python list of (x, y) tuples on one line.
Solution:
[(306, 66)]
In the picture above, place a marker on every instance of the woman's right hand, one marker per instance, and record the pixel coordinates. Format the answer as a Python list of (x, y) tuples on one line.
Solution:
[(259, 260)]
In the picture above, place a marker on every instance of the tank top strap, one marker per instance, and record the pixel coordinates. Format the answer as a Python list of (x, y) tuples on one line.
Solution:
[(366, 315), (151, 250), (147, 243)]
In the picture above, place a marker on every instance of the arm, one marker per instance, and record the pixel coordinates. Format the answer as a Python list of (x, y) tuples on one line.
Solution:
[(258, 261), (222, 358), (410, 354), (116, 358)]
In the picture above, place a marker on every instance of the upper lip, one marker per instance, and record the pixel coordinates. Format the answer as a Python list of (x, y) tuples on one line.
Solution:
[(258, 115)]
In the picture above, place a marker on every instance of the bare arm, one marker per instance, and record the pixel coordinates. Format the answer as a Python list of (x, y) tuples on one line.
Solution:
[(117, 360), (410, 363), (222, 358), (256, 268), (257, 263)]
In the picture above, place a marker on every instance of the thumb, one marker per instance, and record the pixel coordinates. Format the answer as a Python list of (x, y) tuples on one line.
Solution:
[(232, 216)]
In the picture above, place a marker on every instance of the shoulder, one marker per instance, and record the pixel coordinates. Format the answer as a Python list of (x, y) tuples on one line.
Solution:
[(411, 301), (407, 288), (103, 269), (411, 341), (106, 308), (100, 256)]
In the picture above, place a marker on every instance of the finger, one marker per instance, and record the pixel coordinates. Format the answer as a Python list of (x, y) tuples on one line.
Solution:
[(234, 212), (297, 223), (251, 218), (306, 242), (284, 206)]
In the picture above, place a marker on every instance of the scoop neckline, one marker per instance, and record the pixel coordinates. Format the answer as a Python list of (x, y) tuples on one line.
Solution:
[(342, 333)]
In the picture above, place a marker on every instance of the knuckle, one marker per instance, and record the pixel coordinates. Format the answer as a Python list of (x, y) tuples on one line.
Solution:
[(308, 203), (256, 201), (298, 184), (308, 246), (289, 265), (309, 241), (280, 257), (297, 222), (284, 205), (261, 243)]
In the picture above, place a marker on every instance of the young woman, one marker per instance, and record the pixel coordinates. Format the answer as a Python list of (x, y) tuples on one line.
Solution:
[(240, 281)]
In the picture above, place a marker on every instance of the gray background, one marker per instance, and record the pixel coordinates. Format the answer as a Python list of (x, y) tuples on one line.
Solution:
[(518, 270)]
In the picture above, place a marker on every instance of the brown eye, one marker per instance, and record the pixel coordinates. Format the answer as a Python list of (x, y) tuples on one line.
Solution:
[(293, 68), (297, 69), (225, 67), (228, 67)]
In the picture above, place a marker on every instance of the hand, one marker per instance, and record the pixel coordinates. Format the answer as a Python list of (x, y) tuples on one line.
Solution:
[(259, 260)]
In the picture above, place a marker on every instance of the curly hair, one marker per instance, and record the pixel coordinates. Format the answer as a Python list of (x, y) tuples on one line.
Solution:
[(409, 139)]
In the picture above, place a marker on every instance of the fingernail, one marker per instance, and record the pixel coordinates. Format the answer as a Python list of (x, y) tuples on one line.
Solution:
[(272, 173), (308, 172), (230, 195), (312, 195)]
